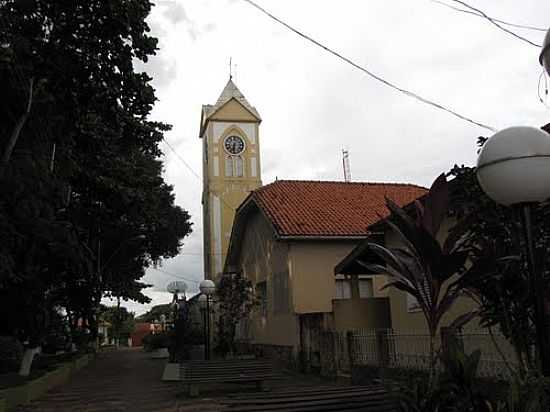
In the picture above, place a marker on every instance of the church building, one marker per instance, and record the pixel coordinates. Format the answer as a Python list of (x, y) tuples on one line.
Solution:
[(229, 131), (286, 237)]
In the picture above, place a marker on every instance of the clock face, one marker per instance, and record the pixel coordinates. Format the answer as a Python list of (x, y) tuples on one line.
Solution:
[(234, 145)]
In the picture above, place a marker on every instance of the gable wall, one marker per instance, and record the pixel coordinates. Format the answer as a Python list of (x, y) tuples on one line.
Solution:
[(262, 258)]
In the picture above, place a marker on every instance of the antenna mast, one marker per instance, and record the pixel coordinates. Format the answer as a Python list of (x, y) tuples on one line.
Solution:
[(345, 161)]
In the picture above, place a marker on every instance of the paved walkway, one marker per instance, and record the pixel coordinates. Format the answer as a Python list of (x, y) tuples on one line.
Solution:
[(121, 381)]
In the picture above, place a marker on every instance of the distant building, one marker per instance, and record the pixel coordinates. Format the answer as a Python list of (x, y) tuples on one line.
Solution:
[(141, 330), (287, 238)]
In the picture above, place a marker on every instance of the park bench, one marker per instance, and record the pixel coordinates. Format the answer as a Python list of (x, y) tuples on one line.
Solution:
[(345, 398), (196, 373)]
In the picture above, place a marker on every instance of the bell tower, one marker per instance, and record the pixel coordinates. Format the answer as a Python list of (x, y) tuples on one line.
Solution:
[(231, 169)]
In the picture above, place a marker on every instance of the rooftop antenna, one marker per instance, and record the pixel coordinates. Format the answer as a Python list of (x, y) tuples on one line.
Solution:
[(345, 162), (230, 69)]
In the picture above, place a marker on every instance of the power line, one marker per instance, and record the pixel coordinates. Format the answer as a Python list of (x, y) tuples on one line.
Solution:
[(174, 275), (507, 23), (181, 158), (371, 74), (495, 23)]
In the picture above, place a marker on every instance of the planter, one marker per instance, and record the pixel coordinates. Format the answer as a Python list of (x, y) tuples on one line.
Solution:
[(161, 353)]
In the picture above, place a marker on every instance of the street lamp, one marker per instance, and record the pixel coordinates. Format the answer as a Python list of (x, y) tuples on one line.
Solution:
[(544, 57), (203, 303), (207, 288), (180, 315), (513, 169)]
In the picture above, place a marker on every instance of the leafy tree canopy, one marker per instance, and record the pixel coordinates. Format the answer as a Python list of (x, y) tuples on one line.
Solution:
[(84, 208)]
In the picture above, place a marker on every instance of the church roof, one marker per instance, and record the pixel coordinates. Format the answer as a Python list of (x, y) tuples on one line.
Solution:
[(323, 209), (230, 91)]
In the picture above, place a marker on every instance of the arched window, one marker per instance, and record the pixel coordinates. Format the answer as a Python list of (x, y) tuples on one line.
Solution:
[(239, 166), (229, 166)]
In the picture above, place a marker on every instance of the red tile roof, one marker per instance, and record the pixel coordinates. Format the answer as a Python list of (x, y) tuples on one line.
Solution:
[(329, 209)]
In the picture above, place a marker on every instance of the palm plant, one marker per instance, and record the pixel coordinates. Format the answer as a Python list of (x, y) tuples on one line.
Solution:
[(420, 265)]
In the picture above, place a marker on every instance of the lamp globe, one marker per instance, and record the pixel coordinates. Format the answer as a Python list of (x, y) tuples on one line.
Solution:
[(207, 287), (513, 166)]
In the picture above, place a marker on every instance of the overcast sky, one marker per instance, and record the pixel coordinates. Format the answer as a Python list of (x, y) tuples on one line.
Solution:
[(313, 104)]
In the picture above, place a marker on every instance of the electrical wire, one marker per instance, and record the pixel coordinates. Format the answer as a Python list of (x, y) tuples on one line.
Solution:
[(495, 23), (507, 23), (174, 275), (181, 158), (369, 73)]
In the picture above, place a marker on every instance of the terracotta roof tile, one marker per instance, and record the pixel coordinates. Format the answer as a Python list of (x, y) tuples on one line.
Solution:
[(329, 209)]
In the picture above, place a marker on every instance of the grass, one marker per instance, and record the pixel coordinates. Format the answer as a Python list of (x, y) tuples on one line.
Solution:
[(41, 365)]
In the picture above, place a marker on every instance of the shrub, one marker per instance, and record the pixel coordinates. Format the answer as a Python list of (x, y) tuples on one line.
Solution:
[(156, 341), (11, 353)]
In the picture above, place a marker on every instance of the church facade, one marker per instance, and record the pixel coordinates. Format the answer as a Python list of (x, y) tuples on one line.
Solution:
[(229, 131)]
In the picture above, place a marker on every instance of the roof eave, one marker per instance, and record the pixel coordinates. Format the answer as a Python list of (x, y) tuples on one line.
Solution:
[(255, 115), (322, 237)]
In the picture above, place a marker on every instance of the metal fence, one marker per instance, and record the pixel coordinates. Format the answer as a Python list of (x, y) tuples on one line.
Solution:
[(340, 351)]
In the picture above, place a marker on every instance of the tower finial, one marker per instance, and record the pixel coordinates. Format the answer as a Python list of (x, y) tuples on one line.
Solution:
[(230, 69)]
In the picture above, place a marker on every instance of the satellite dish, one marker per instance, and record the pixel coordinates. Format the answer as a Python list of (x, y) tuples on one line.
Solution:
[(178, 286), (544, 57)]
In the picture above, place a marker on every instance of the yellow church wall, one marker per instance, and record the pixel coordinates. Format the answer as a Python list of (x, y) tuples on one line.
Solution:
[(223, 194), (233, 110), (261, 257), (312, 273)]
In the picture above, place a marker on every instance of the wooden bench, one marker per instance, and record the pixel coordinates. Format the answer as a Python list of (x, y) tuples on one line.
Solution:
[(346, 398), (195, 373)]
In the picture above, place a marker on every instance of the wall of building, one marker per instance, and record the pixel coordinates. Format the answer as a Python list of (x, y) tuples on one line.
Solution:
[(366, 313), (312, 272), (262, 257)]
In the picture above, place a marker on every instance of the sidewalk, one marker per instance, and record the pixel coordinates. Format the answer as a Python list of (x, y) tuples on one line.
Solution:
[(125, 380)]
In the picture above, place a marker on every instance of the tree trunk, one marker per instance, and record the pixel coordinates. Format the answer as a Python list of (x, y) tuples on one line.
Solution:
[(17, 129), (26, 362)]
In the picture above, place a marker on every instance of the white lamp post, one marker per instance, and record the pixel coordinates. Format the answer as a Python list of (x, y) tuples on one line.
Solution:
[(203, 303), (513, 168), (207, 288), (544, 57)]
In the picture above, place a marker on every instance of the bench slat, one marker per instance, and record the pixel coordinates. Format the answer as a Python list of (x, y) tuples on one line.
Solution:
[(305, 396), (349, 405), (331, 397)]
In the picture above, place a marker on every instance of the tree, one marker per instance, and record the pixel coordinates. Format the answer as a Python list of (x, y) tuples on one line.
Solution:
[(420, 266), (498, 275), (156, 313), (79, 161), (235, 301), (122, 322)]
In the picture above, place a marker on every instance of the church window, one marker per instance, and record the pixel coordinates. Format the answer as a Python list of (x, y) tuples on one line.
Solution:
[(239, 166), (234, 166), (343, 289), (365, 288), (229, 166)]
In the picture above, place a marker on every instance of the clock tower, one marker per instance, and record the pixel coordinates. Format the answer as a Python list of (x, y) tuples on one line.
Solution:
[(231, 169)]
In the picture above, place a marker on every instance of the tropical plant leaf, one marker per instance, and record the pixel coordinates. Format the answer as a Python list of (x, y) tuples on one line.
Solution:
[(463, 319), (436, 205), (387, 256)]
